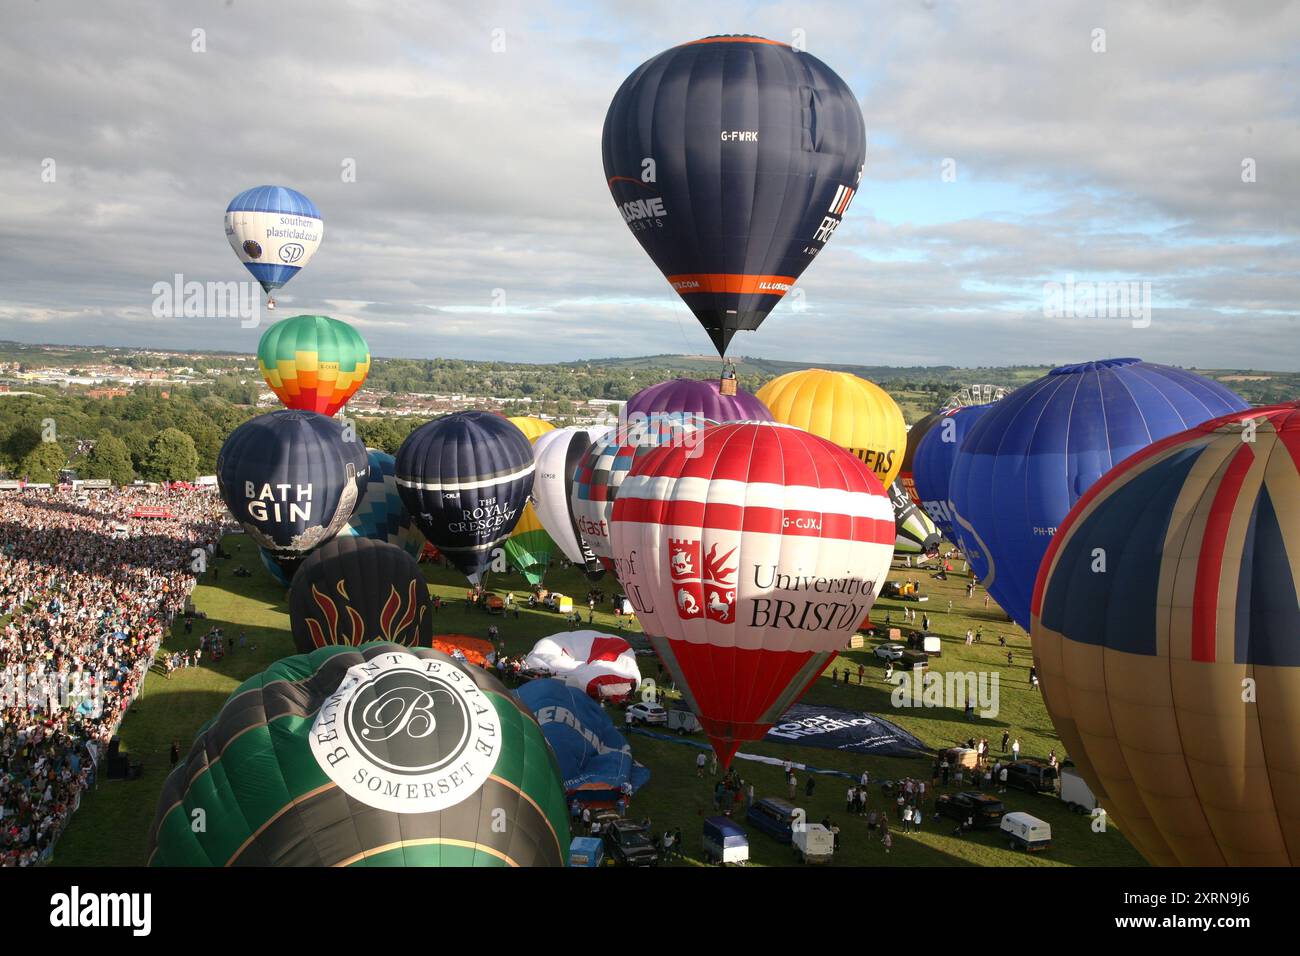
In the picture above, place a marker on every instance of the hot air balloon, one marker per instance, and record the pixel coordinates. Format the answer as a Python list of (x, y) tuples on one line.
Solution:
[(291, 479), (280, 568), (528, 549), (380, 755), (1166, 635), (932, 464), (733, 159), (531, 427), (381, 515), (850, 411), (915, 533), (465, 478), (601, 471), (353, 590), (313, 362), (914, 436), (692, 400), (749, 561), (558, 455), (1034, 453), (274, 231)]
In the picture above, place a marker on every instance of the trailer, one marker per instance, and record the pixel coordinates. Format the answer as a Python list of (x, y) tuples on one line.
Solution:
[(1075, 791)]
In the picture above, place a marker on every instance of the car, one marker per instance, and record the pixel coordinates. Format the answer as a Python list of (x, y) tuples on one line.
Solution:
[(643, 713), (725, 841), (1032, 776), (773, 816), (910, 659), (985, 809), (630, 844), (889, 652)]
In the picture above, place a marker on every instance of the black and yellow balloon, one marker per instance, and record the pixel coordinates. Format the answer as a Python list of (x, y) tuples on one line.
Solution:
[(379, 755)]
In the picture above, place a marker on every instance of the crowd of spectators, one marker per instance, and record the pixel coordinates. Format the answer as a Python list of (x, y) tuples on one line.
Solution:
[(87, 594)]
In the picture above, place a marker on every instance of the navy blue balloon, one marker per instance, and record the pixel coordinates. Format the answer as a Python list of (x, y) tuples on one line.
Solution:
[(291, 479), (932, 463), (733, 159), (1034, 454), (465, 478)]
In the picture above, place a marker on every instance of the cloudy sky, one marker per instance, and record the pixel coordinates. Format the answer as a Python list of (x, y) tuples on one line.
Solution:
[(480, 169)]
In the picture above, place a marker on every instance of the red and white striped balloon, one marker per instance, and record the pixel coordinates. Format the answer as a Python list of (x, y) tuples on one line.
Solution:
[(750, 558)]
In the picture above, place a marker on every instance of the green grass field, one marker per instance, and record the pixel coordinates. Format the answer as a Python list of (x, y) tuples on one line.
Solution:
[(110, 828)]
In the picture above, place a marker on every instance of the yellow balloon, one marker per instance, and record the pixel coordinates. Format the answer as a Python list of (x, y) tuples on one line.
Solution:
[(850, 411), (531, 427)]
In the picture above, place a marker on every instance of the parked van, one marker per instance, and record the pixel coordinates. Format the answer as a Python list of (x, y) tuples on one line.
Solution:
[(1026, 832), (586, 851), (772, 816), (725, 841), (814, 843)]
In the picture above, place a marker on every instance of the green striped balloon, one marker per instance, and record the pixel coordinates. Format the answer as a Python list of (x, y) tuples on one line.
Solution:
[(379, 755)]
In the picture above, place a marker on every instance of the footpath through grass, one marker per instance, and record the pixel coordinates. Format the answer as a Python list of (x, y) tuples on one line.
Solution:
[(111, 826)]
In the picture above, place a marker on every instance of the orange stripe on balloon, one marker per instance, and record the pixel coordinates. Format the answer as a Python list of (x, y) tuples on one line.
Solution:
[(735, 283)]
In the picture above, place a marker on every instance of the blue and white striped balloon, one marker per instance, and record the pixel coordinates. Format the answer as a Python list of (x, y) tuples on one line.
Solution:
[(274, 231)]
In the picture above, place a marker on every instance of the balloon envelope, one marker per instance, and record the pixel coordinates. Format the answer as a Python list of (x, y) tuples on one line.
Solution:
[(530, 426), (749, 561), (915, 533), (914, 436), (1145, 659), (932, 465), (689, 397), (290, 479), (607, 463), (381, 515), (352, 590), (850, 411), (755, 153), (274, 231), (559, 453), (1034, 453), (466, 477), (468, 781), (313, 362)]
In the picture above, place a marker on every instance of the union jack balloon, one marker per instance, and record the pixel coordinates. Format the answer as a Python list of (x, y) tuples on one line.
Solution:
[(1167, 640), (750, 557)]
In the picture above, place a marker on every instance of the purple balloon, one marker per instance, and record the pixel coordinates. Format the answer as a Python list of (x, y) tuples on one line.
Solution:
[(699, 398)]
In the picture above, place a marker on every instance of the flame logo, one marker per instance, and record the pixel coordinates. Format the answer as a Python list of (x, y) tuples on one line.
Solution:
[(398, 619)]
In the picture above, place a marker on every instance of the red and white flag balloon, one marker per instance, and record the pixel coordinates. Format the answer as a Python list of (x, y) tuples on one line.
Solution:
[(750, 558)]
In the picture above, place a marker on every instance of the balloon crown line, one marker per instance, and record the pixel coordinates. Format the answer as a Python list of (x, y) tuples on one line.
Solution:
[(1093, 366)]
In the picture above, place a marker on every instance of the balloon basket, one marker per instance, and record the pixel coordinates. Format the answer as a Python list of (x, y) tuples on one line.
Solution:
[(727, 386)]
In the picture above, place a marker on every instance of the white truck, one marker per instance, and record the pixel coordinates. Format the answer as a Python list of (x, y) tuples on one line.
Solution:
[(814, 843)]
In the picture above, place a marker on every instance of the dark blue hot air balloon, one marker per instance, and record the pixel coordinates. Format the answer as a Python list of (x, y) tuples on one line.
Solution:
[(291, 479), (932, 463), (1034, 454), (465, 478), (733, 159)]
